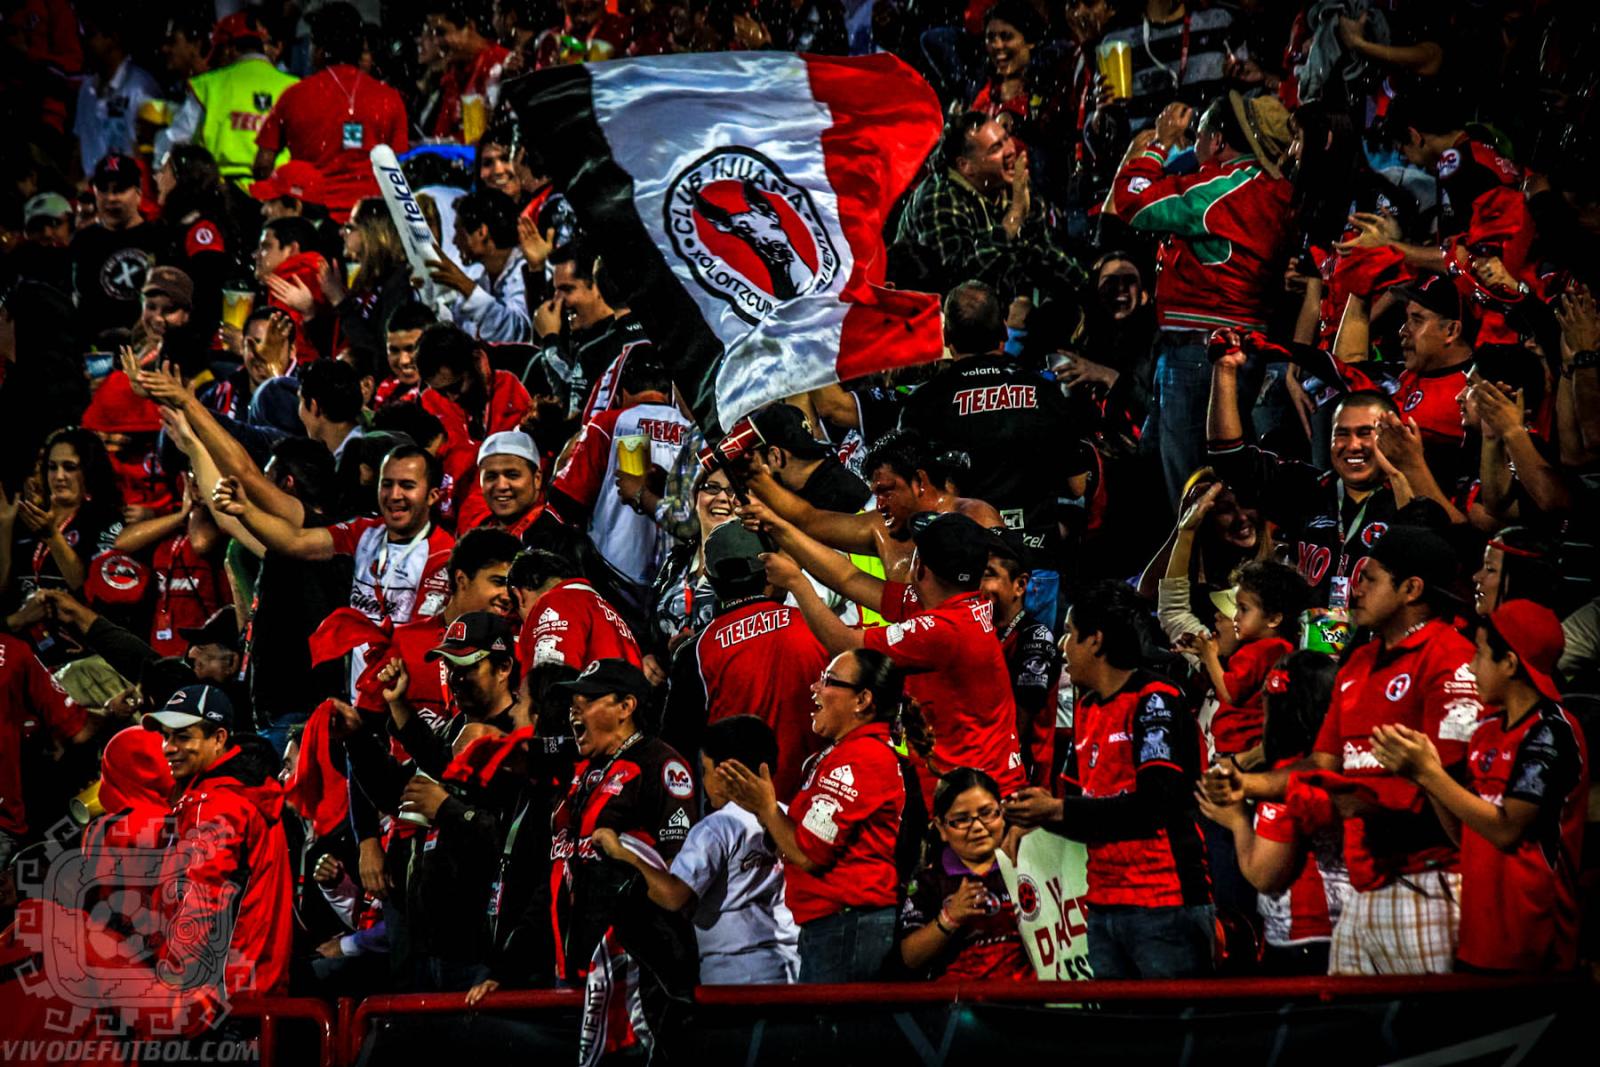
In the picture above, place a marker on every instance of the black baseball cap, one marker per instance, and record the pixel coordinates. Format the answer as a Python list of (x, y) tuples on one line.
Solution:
[(1417, 552), (190, 705), (221, 629), (604, 677), (784, 426), (953, 546), (116, 173), (733, 553), (1436, 292), (472, 637)]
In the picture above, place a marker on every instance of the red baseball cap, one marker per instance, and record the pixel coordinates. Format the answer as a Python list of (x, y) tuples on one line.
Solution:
[(295, 178), (1534, 633), (239, 26)]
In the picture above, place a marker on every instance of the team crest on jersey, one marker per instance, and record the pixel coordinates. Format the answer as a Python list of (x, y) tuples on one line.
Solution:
[(122, 274), (748, 235), (1094, 754), (1398, 686), (1486, 759), (1412, 399), (676, 777), (262, 101), (1449, 162), (1373, 531)]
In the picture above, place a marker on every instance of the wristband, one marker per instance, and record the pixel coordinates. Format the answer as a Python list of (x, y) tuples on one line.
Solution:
[(1586, 359), (941, 919)]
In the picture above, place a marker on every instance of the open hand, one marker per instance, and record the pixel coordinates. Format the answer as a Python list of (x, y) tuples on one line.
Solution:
[(1407, 752), (752, 792), (292, 293), (535, 246)]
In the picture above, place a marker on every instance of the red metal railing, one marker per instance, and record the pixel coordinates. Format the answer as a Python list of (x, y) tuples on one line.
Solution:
[(946, 992), (272, 1009)]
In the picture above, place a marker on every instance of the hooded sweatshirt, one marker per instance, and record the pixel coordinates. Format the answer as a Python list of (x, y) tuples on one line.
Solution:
[(136, 793), (230, 881)]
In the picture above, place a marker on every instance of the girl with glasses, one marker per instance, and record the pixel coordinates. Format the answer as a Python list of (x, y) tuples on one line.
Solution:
[(958, 920)]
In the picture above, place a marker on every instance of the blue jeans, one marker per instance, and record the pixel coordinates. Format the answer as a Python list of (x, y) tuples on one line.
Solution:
[(1176, 426), (847, 946), (1130, 942), (1043, 598)]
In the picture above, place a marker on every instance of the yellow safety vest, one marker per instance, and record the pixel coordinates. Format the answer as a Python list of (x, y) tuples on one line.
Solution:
[(873, 566), (237, 99)]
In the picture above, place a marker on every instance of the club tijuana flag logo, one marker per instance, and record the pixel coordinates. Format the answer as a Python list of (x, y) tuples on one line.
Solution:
[(738, 202)]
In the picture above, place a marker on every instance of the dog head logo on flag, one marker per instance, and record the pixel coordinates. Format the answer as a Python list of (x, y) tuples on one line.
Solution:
[(748, 234)]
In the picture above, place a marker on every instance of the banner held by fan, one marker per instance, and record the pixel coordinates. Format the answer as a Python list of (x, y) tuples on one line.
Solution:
[(738, 202)]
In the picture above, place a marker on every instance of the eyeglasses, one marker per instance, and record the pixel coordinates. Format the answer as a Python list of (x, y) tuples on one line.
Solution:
[(828, 681), (712, 490), (982, 815)]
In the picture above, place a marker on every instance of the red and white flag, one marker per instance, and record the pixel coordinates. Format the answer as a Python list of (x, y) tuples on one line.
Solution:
[(738, 201)]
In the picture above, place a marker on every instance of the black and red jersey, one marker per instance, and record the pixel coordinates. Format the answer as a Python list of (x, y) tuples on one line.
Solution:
[(644, 791), (1520, 909), (986, 947), (756, 657), (1137, 756), (1329, 533), (1035, 665)]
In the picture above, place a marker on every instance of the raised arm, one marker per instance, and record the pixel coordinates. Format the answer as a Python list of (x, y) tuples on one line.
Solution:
[(836, 529), (298, 542), (822, 563), (231, 459)]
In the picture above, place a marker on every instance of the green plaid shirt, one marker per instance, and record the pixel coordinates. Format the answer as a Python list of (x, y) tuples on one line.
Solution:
[(954, 231)]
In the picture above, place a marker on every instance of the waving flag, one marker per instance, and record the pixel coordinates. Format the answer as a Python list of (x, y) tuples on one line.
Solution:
[(738, 201)]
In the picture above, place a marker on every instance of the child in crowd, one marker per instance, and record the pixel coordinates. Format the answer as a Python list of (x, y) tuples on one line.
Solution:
[(1293, 860), (727, 877), (1520, 820), (1270, 597)]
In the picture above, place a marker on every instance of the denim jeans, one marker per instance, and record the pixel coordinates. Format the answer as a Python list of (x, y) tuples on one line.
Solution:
[(847, 946), (1130, 942), (1176, 426), (1043, 598)]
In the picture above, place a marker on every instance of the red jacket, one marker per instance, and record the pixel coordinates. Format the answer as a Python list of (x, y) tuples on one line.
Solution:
[(1228, 226), (229, 920)]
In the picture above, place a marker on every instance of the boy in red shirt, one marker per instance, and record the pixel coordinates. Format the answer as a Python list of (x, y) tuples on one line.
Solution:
[(1520, 824), (1271, 597)]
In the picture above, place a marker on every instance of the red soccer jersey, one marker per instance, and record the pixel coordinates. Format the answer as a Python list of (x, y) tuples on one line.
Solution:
[(1430, 398), (1143, 726), (573, 624), (1236, 727), (846, 820), (1520, 909), (759, 658), (958, 677), (332, 120), (29, 698), (1425, 682), (189, 588)]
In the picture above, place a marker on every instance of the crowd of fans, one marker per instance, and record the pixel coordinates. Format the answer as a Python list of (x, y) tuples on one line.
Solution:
[(1243, 532)]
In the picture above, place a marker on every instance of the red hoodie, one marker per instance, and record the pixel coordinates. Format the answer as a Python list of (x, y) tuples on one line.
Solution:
[(229, 916), (306, 267)]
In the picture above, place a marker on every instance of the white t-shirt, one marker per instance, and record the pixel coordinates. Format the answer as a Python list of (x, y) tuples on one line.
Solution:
[(632, 543), (399, 580), (744, 929)]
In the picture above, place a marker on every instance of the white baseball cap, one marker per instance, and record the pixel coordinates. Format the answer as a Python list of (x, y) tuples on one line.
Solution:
[(509, 443)]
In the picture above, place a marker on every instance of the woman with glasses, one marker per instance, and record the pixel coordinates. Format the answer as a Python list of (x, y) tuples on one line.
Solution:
[(684, 601), (843, 830), (958, 921)]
